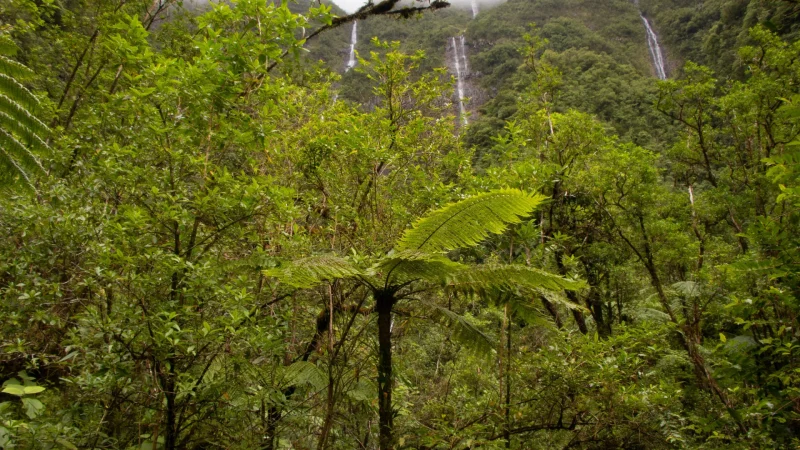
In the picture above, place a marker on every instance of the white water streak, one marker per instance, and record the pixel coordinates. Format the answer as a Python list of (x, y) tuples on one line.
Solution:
[(353, 37), (655, 50), (464, 56), (457, 56), (474, 8)]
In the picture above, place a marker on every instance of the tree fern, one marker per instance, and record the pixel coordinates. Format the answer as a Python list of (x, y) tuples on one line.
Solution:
[(21, 133), (311, 271), (468, 222)]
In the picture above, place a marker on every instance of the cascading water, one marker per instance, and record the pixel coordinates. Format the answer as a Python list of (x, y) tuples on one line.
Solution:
[(464, 55), (474, 8), (458, 56), (353, 37), (652, 44), (655, 50)]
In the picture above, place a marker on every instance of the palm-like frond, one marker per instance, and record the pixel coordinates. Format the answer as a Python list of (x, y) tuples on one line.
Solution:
[(409, 265), (7, 46), (304, 373), (311, 271), (21, 132), (510, 278), (558, 298), (528, 312), (464, 331), (470, 221)]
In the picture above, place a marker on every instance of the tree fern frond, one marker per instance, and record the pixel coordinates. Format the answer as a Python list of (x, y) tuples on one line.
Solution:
[(512, 277), (18, 123), (14, 90), (557, 297), (410, 265), (22, 115), (530, 314), (7, 46), (28, 137), (10, 171), (470, 221), (21, 157), (305, 373), (311, 271), (14, 69), (464, 331)]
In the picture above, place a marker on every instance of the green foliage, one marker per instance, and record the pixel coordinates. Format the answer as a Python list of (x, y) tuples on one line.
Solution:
[(308, 272), (620, 271), (21, 132), (466, 223)]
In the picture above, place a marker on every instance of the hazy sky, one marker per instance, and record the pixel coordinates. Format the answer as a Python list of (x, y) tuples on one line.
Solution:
[(350, 6)]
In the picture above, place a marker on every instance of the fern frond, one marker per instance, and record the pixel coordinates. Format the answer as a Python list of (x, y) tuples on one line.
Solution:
[(30, 138), (557, 297), (22, 115), (526, 311), (14, 69), (363, 391), (464, 331), (17, 157), (7, 46), (468, 222), (14, 90), (304, 373), (309, 272), (481, 280), (411, 265)]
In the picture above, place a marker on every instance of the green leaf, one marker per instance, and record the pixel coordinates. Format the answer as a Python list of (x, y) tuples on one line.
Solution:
[(29, 390), (468, 222), (311, 271), (14, 389), (66, 444), (32, 407)]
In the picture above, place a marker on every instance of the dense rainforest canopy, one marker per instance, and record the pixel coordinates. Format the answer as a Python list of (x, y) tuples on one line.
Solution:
[(539, 224)]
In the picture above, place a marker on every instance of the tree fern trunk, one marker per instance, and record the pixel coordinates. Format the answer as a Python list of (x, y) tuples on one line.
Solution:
[(385, 413)]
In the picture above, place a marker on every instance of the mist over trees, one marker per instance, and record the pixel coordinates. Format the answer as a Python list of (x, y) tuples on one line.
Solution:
[(214, 236)]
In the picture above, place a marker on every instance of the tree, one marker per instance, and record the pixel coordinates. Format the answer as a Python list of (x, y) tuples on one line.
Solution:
[(418, 263)]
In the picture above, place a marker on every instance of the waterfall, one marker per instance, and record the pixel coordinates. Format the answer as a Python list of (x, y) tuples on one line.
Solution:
[(457, 58), (474, 8), (464, 56), (655, 49), (353, 37)]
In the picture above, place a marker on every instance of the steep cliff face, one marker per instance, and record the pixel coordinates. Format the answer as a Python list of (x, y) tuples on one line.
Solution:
[(609, 52)]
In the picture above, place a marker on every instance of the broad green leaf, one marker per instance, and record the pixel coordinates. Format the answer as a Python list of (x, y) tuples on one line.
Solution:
[(32, 407)]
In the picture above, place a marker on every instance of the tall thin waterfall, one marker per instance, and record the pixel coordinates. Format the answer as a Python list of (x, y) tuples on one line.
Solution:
[(474, 8), (464, 55), (353, 37), (458, 56), (655, 49)]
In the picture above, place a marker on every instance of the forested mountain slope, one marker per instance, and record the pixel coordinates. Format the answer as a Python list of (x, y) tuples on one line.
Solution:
[(541, 224)]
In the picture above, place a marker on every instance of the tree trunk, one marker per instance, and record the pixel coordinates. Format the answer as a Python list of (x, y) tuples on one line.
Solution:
[(384, 304), (507, 429), (171, 432)]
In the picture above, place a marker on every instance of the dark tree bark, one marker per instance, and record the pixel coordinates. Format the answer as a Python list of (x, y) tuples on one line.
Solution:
[(384, 304)]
